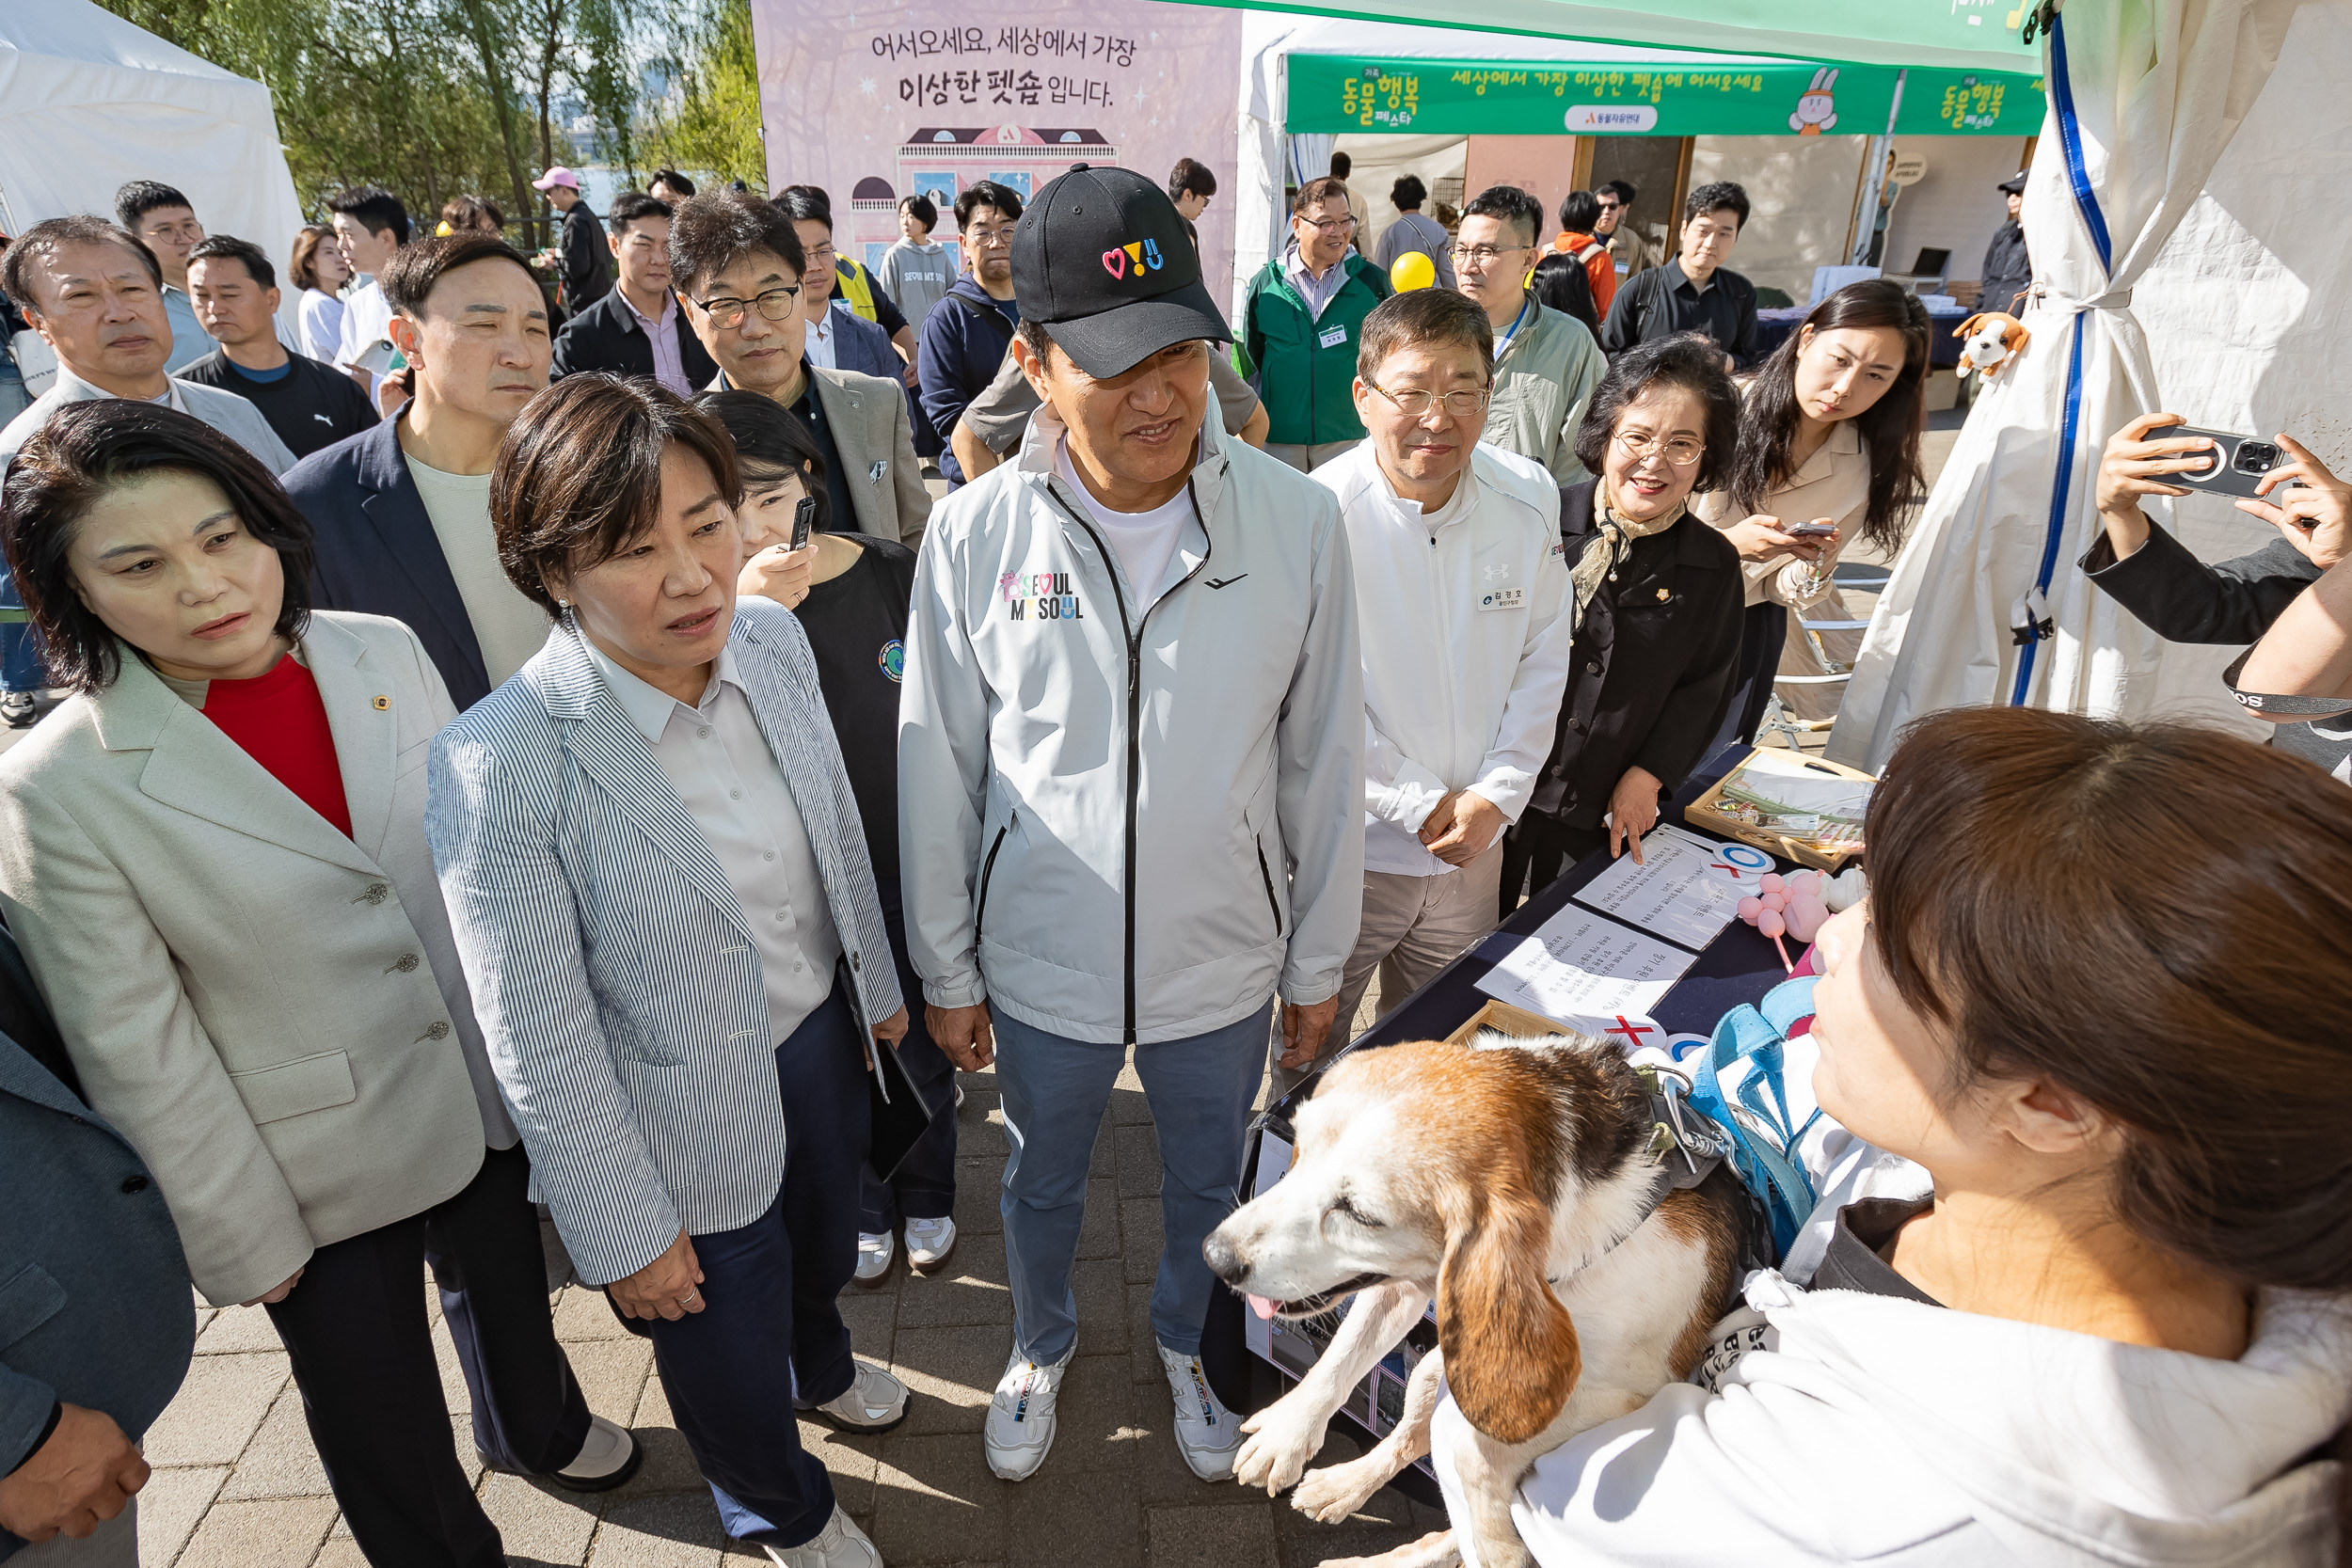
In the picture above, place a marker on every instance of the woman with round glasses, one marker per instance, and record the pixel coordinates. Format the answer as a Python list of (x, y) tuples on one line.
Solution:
[(1658, 596)]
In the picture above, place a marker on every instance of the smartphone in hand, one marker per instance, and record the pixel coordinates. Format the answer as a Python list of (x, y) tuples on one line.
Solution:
[(803, 521), (1812, 531), (2238, 463)]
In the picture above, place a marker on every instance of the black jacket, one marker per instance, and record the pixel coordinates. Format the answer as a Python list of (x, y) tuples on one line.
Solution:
[(377, 552), (2183, 599), (1662, 302), (587, 261), (1651, 667), (2008, 269), (605, 337)]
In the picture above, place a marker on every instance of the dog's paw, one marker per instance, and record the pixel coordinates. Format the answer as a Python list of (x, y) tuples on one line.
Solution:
[(1276, 1452), (1330, 1495), (1434, 1550)]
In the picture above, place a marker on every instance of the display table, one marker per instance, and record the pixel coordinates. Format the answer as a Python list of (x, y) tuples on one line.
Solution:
[(1739, 965)]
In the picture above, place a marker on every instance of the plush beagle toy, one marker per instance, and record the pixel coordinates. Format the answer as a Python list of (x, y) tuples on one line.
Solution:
[(1993, 338)]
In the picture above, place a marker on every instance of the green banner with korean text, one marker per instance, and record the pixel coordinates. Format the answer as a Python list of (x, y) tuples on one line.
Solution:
[(1756, 98)]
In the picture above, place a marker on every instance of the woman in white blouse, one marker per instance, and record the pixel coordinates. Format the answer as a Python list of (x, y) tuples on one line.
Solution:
[(1830, 439), (320, 270)]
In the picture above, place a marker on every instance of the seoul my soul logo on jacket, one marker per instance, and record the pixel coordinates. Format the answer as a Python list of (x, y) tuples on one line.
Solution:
[(1040, 597), (1141, 257)]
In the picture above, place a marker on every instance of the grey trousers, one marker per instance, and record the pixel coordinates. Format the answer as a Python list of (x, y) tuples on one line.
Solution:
[(113, 1545), (1306, 459), (1413, 926)]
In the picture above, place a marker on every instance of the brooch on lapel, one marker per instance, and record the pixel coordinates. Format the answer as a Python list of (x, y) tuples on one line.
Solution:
[(383, 705), (1661, 596)]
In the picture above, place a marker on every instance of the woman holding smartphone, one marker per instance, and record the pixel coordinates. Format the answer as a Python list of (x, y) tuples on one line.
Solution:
[(851, 592), (1829, 451)]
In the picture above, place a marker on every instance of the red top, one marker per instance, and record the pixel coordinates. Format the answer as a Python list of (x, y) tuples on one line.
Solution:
[(280, 721)]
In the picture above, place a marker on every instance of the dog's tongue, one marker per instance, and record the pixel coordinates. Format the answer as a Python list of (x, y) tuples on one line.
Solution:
[(1262, 1306)]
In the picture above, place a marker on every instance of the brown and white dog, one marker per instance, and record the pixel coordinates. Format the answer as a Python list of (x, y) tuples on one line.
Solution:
[(1513, 1180)]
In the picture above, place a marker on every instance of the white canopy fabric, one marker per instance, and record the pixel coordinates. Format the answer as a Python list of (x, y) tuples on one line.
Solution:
[(88, 101), (1269, 38), (2145, 98)]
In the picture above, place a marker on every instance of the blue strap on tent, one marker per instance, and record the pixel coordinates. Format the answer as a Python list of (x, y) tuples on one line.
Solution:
[(1763, 1141), (2085, 202)]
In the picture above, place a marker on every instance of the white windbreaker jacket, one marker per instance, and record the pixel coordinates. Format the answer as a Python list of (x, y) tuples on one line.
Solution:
[(1121, 825), (1469, 647)]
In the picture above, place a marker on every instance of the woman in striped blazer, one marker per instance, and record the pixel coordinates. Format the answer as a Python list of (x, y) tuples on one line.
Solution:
[(662, 899)]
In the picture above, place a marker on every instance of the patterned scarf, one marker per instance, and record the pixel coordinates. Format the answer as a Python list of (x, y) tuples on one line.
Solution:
[(1612, 541)]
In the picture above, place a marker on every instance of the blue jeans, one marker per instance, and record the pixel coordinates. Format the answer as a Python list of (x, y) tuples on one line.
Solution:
[(1056, 1089), (769, 1328), (21, 666)]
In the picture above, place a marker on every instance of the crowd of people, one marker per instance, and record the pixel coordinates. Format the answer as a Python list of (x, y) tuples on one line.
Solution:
[(535, 741)]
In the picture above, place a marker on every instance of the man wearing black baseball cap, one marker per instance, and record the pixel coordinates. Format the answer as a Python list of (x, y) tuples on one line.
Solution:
[(1131, 777), (2007, 271)]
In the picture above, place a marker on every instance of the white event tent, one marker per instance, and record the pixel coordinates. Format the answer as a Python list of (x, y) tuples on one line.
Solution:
[(88, 101)]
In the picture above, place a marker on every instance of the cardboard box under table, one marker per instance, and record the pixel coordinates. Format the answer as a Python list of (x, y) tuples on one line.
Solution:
[(1739, 965)]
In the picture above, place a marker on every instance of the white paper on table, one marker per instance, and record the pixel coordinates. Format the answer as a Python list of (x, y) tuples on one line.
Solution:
[(1587, 972), (1802, 788), (1679, 893)]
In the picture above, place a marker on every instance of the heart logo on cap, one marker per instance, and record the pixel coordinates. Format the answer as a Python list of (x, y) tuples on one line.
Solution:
[(1115, 263)]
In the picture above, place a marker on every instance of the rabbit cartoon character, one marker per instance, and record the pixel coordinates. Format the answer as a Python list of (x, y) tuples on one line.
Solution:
[(1817, 110)]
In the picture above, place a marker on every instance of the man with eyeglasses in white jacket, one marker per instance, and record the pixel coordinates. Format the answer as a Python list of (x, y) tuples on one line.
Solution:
[(1457, 559), (1130, 777)]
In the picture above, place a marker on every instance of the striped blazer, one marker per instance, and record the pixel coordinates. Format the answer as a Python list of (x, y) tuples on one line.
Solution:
[(612, 968)]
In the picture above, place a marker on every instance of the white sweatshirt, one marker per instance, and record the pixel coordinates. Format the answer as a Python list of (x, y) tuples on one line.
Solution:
[(1869, 1428), (1466, 615)]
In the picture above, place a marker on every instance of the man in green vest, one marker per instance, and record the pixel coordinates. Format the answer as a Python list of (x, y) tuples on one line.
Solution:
[(1299, 325)]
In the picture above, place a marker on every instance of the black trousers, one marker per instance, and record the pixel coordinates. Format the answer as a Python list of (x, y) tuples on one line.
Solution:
[(362, 1353), (1763, 635), (924, 1185), (1536, 850), (771, 1331)]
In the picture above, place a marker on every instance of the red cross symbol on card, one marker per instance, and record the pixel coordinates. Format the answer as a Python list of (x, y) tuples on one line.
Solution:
[(1632, 1032)]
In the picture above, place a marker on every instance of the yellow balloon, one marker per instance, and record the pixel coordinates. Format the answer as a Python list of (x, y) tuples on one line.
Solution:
[(1412, 270)]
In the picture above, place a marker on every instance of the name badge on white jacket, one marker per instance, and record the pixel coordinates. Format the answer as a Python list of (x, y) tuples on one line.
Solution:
[(1503, 599)]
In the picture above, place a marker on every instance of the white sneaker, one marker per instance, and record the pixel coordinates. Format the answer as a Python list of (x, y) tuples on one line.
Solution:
[(609, 1456), (873, 1257), (873, 1401), (839, 1545), (929, 1242), (1207, 1433), (1019, 1427)]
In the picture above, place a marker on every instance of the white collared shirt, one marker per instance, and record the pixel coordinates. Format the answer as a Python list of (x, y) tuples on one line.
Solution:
[(822, 339), (736, 793)]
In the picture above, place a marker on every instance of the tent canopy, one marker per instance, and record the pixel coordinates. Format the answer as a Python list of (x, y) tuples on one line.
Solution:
[(88, 101), (1950, 34)]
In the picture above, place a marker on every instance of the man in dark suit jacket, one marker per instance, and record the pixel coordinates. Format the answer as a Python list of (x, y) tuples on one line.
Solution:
[(96, 1323), (400, 513), (627, 331)]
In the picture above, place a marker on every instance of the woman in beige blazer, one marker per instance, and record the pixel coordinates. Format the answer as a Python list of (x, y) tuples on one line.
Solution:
[(213, 856), (1830, 439)]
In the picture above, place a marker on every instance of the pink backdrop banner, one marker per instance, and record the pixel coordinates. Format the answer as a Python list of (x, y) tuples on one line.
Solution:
[(877, 105)]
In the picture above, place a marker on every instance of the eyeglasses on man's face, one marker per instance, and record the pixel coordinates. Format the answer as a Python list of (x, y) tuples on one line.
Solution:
[(988, 237), (1415, 403), (1681, 450), (1484, 256), (776, 304), (1328, 227)]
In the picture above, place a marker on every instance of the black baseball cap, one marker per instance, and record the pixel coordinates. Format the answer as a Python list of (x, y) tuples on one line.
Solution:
[(2014, 185), (1103, 260)]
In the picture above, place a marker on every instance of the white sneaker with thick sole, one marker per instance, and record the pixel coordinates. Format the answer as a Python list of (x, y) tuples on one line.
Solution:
[(873, 1257), (1207, 1433), (1019, 1429), (929, 1242), (873, 1401), (839, 1545)]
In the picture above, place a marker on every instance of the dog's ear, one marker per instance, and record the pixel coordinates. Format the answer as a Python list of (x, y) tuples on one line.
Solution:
[(1510, 1353), (1968, 328)]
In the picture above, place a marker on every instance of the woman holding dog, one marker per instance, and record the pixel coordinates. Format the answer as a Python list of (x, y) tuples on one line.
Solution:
[(1829, 439), (1656, 610), (2106, 1319)]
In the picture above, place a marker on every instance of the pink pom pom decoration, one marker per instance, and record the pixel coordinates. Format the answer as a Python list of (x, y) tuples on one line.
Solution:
[(1770, 924), (1771, 882), (1775, 902), (1750, 907)]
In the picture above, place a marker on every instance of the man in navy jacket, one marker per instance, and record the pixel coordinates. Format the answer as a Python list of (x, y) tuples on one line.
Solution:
[(966, 336), (96, 1323)]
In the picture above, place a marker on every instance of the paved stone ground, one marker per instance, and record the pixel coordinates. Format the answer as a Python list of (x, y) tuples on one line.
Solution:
[(238, 1485)]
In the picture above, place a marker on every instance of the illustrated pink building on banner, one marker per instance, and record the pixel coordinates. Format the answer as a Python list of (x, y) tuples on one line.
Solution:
[(941, 162)]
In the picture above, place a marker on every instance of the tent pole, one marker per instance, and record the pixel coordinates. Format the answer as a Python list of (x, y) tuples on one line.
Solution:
[(1874, 180)]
